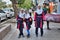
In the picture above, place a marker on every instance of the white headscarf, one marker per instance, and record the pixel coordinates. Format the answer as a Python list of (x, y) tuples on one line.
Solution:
[(39, 11)]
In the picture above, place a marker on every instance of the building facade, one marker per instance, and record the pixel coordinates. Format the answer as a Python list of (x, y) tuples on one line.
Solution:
[(58, 6)]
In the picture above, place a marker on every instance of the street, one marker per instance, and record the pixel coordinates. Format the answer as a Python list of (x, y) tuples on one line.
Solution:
[(26, 11), (53, 34)]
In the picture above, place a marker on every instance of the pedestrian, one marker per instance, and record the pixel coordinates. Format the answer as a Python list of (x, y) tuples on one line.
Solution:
[(27, 20), (45, 9), (20, 25), (38, 18)]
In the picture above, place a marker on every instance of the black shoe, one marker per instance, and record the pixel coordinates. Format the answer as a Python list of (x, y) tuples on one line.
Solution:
[(28, 36), (19, 36), (23, 36), (48, 29), (36, 35), (41, 35)]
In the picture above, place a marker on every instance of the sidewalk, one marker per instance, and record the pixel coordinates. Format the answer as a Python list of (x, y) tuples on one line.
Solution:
[(53, 34)]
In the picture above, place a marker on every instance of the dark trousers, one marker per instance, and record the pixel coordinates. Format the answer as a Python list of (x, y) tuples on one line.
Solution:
[(21, 31), (48, 25), (41, 30), (30, 14), (21, 27)]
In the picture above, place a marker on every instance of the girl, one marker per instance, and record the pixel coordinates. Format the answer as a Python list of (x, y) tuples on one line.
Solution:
[(20, 25), (27, 20), (38, 20)]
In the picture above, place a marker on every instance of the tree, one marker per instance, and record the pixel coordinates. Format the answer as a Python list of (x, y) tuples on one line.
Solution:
[(26, 4), (21, 1), (14, 2), (10, 5), (0, 0), (2, 4)]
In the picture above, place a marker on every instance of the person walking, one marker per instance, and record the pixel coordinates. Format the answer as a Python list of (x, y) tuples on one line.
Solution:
[(28, 19), (38, 18), (20, 24)]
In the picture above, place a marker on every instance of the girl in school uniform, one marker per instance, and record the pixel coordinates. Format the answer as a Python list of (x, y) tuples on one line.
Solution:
[(20, 24), (27, 20), (38, 18)]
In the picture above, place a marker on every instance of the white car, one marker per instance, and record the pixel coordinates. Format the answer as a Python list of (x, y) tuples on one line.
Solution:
[(9, 12), (2, 15)]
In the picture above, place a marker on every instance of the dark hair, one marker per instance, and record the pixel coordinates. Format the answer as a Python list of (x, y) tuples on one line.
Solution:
[(44, 3)]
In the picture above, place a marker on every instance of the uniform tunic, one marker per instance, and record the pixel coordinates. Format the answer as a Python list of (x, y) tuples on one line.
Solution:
[(20, 20), (38, 18), (27, 20)]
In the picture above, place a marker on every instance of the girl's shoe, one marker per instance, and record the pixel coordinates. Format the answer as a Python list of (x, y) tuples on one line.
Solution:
[(19, 36), (28, 36), (23, 36)]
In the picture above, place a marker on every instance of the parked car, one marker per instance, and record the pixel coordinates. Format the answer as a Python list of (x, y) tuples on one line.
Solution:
[(3, 15), (9, 12)]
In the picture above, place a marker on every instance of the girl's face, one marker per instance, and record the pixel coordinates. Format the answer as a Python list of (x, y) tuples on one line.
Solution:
[(22, 11), (39, 7)]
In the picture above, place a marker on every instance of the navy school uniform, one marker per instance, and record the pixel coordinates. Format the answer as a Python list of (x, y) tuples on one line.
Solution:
[(20, 24), (39, 21), (28, 25)]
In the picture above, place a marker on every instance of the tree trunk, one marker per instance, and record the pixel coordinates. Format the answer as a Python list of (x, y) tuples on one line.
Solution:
[(14, 7)]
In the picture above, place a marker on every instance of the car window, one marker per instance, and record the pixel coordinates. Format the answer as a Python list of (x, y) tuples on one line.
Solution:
[(11, 10), (1, 11), (6, 9)]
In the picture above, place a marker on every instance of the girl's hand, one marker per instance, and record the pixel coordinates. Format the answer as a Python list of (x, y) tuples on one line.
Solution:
[(23, 18), (30, 19)]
